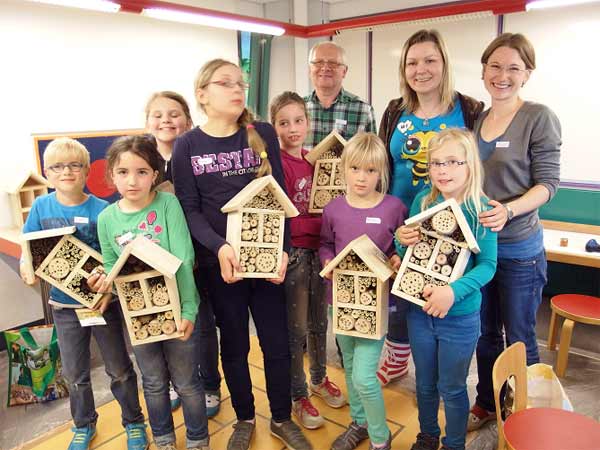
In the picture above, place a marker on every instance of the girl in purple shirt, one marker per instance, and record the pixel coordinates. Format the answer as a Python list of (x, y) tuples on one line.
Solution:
[(364, 209)]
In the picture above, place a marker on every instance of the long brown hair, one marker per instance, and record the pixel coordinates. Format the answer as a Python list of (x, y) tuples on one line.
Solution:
[(245, 120), (517, 42), (410, 100), (171, 96)]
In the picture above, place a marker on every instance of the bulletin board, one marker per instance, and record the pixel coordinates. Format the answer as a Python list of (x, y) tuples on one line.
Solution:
[(97, 143)]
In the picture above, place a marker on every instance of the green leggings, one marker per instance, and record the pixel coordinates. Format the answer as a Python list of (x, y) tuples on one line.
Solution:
[(361, 360)]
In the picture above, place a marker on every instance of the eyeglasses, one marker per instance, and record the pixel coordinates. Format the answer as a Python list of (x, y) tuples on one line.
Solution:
[(452, 163), (320, 63), (495, 69), (230, 84), (60, 167)]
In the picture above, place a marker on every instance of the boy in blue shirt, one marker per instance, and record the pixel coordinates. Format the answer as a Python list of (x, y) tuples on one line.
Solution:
[(66, 166)]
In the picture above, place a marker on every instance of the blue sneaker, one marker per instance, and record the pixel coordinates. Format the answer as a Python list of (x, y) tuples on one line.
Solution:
[(213, 403), (82, 438), (136, 436), (174, 398)]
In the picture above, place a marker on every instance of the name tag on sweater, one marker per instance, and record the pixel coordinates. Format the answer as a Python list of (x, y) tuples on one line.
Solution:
[(502, 144), (78, 219), (341, 122), (376, 220)]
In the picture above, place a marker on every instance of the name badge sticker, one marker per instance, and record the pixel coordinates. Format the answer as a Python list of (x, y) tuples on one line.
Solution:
[(375, 220), (78, 219), (122, 240), (341, 122), (89, 317), (205, 161), (502, 144)]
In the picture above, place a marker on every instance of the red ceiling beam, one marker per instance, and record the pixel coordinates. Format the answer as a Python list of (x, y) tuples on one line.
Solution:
[(328, 29), (425, 12)]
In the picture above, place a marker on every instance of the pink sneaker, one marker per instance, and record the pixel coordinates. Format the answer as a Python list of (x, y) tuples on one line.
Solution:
[(329, 392), (307, 414)]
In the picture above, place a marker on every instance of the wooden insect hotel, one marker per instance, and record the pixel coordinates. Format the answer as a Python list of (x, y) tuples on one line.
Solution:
[(441, 255), (22, 195), (328, 180), (360, 281), (255, 225), (59, 258), (144, 275)]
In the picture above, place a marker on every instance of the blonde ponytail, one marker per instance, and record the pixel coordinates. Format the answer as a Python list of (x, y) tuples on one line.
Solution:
[(256, 142)]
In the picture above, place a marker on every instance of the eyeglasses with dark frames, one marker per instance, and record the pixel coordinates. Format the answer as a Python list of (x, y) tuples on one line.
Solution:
[(60, 167)]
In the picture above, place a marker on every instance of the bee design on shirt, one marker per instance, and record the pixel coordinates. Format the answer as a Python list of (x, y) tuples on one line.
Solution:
[(415, 150)]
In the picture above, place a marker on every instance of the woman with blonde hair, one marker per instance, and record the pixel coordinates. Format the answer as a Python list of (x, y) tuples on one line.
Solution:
[(428, 105)]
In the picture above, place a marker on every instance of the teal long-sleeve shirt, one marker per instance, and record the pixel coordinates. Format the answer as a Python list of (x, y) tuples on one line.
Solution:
[(163, 222), (481, 266)]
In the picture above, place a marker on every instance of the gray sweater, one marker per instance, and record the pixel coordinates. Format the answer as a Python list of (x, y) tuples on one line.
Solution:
[(527, 154)]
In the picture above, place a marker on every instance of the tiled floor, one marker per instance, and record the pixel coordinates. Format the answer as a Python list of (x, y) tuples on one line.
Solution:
[(47, 426), (401, 407)]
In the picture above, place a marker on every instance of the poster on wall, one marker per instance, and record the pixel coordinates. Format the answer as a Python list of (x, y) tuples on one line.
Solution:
[(97, 143)]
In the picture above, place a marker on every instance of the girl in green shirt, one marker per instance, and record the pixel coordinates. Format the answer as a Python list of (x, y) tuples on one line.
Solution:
[(134, 165)]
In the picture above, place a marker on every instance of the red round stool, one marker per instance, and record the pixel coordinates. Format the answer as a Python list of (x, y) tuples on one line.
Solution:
[(574, 308), (551, 429)]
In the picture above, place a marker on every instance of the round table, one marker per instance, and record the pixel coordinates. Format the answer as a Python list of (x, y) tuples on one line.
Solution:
[(551, 429)]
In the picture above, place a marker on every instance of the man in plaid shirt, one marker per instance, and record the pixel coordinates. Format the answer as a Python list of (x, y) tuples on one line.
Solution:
[(329, 106)]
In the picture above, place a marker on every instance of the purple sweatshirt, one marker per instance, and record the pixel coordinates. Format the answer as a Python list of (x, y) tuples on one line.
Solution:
[(343, 223), (209, 171)]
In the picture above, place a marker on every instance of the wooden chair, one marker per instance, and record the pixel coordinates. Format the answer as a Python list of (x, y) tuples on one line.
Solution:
[(574, 308), (536, 428)]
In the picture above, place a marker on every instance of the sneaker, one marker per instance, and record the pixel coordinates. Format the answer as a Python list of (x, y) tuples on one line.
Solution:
[(426, 442), (82, 438), (136, 436), (213, 403), (395, 362), (350, 438), (175, 400), (291, 435), (241, 436), (478, 417), (307, 414), (329, 392), (387, 445)]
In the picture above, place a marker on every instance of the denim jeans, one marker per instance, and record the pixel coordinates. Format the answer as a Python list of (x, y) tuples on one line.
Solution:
[(207, 347), (510, 302), (173, 360), (74, 345), (442, 350), (397, 328), (361, 359), (232, 304), (306, 312)]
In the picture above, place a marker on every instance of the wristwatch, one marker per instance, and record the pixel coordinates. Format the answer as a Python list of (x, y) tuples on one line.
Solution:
[(509, 211)]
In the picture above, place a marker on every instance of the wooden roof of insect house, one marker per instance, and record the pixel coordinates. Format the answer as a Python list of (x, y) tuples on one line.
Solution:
[(149, 253), (458, 222), (254, 188), (333, 142), (30, 180), (369, 253)]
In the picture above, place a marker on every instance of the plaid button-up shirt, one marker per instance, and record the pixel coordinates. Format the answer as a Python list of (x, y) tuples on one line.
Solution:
[(347, 115)]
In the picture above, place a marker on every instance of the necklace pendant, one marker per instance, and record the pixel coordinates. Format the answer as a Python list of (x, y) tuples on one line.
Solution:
[(425, 122)]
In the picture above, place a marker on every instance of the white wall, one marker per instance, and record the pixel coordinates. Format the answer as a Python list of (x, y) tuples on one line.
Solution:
[(65, 70), (566, 79)]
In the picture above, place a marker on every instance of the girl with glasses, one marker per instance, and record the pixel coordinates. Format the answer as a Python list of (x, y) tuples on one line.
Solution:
[(444, 332)]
